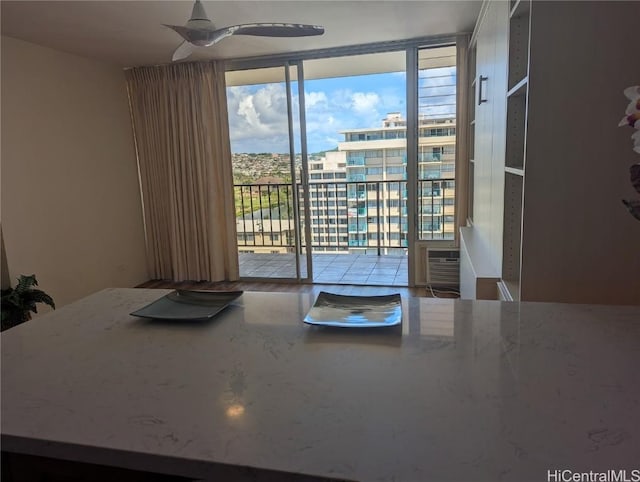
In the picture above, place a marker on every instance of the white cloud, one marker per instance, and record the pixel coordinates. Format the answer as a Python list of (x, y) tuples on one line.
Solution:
[(341, 99), (258, 118), (364, 103), (315, 99), (258, 114)]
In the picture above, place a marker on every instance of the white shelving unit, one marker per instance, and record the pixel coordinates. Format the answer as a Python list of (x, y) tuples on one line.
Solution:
[(515, 148), (519, 25), (547, 214), (481, 239)]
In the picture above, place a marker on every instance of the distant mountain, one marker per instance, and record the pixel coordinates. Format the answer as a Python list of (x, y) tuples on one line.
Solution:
[(248, 167), (322, 153)]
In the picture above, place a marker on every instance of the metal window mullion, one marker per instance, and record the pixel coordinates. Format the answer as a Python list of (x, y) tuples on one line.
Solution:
[(305, 168), (412, 157), (292, 167)]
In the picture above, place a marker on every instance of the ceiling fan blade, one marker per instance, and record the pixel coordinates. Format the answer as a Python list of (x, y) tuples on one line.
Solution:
[(276, 29), (197, 36), (199, 31), (183, 51), (182, 31)]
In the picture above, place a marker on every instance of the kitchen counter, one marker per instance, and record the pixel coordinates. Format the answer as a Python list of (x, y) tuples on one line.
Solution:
[(463, 390)]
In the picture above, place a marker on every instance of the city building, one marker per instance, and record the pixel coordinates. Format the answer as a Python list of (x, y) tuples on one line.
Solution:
[(328, 203), (263, 235), (377, 196), (358, 194)]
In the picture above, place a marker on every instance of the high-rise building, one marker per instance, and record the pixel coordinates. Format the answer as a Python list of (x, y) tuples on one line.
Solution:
[(328, 202), (358, 194), (376, 161)]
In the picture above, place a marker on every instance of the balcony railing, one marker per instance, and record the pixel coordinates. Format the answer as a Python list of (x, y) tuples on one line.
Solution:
[(343, 215), (355, 177), (355, 161)]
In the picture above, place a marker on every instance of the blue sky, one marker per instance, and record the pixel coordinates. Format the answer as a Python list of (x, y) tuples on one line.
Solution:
[(258, 113)]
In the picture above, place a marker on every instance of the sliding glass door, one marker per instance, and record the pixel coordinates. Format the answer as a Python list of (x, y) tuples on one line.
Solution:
[(268, 166), (343, 165), (356, 129)]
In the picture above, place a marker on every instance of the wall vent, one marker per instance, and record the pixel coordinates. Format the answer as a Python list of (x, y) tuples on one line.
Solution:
[(443, 267)]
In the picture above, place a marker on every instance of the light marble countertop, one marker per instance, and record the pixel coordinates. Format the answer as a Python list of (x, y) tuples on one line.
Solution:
[(463, 390)]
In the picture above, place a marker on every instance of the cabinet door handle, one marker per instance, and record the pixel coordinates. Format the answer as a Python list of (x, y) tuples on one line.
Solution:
[(480, 99)]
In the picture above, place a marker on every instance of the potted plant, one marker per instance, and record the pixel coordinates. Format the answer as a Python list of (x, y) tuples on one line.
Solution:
[(19, 302)]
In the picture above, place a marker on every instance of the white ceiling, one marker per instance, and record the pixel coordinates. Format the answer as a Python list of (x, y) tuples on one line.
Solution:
[(129, 33)]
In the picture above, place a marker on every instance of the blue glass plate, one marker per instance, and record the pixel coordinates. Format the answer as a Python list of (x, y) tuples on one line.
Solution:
[(355, 311)]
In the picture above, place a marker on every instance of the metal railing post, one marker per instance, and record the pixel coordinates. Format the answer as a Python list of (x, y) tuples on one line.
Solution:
[(378, 213), (252, 216)]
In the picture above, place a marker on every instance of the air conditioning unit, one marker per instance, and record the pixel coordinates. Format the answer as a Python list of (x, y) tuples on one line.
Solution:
[(443, 267)]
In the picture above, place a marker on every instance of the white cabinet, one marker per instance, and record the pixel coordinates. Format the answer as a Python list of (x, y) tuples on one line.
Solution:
[(550, 166), (516, 134), (482, 242), (494, 241)]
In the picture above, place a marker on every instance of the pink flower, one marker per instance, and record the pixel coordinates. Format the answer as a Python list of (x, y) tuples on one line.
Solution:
[(633, 109), (636, 141), (632, 118)]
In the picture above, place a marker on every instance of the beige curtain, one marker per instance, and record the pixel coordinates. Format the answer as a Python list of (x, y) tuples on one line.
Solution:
[(179, 116), (462, 137)]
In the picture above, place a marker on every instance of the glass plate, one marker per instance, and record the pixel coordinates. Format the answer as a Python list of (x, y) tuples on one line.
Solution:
[(355, 311), (188, 305)]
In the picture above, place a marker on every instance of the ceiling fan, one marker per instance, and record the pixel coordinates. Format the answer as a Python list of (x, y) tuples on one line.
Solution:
[(199, 31)]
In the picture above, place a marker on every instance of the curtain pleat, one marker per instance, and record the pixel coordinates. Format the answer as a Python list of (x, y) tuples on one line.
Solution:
[(462, 131), (179, 115)]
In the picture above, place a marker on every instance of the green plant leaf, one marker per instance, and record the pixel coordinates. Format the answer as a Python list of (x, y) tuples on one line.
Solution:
[(25, 283), (39, 296), (19, 301)]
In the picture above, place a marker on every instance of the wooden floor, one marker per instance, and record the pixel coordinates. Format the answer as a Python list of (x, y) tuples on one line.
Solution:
[(299, 288)]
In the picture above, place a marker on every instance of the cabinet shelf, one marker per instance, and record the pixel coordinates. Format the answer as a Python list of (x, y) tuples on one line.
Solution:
[(509, 290), (519, 89), (519, 43), (519, 8), (514, 171)]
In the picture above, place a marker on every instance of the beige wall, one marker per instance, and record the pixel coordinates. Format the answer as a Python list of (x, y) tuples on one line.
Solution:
[(71, 209)]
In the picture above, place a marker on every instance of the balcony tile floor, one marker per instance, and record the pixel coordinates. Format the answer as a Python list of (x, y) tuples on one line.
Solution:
[(357, 269)]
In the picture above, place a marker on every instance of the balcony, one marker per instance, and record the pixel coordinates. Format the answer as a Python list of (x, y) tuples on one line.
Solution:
[(346, 218), (357, 228), (356, 194), (358, 242), (334, 268), (429, 157), (355, 177), (355, 161), (357, 211)]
